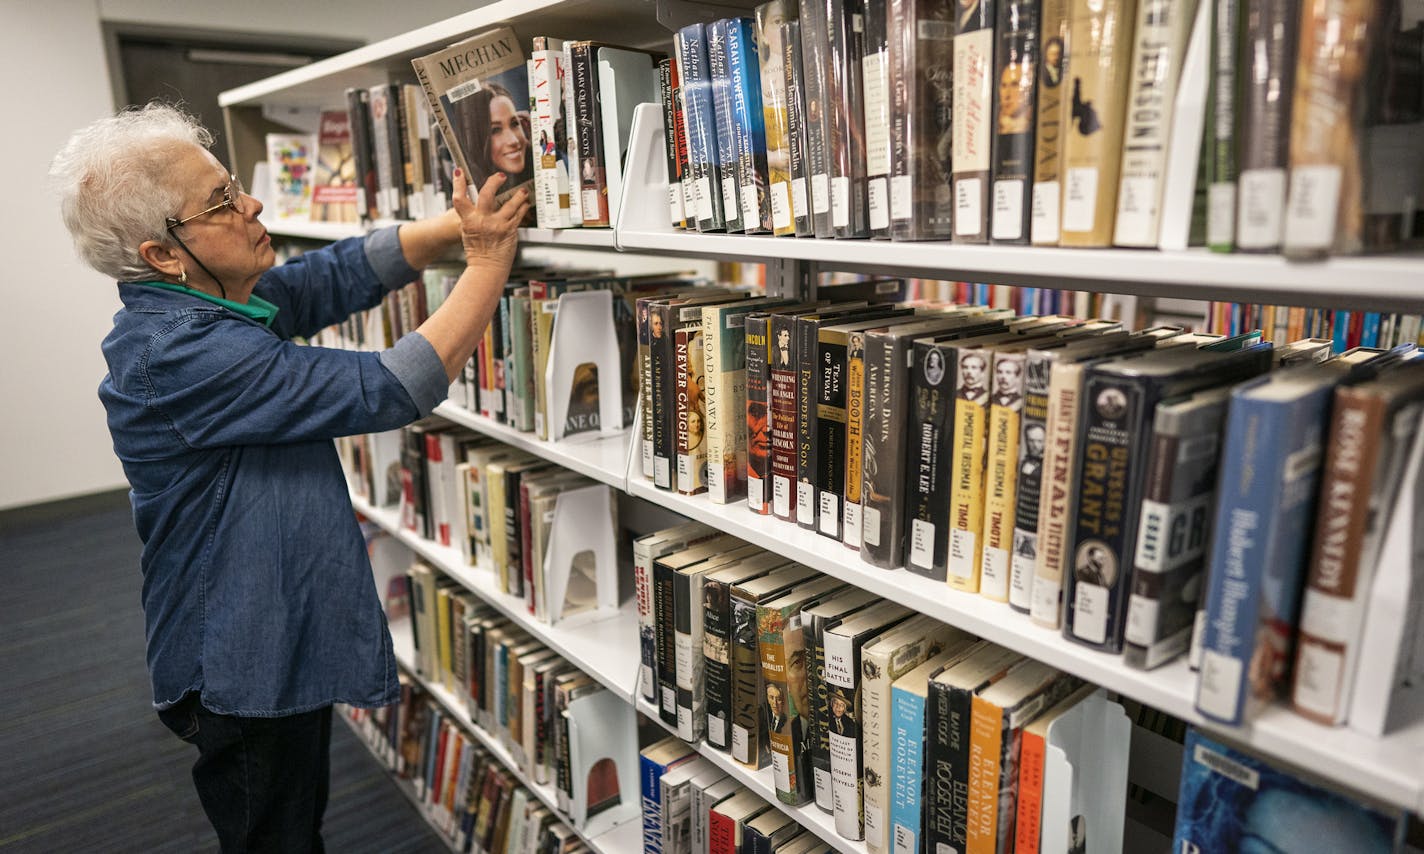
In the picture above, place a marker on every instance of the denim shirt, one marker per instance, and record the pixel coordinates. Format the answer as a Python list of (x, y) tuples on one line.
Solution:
[(257, 589)]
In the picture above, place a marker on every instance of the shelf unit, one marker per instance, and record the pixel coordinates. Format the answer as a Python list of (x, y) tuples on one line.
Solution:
[(573, 238), (407, 788), (1390, 769)]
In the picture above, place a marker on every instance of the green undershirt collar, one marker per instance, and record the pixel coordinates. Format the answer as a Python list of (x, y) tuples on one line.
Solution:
[(256, 308)]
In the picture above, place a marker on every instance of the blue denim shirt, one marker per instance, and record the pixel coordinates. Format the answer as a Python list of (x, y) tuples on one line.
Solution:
[(257, 590)]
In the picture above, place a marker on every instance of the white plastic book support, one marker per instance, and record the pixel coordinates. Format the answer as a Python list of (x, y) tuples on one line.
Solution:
[(583, 522), (1179, 184), (626, 79), (584, 333), (645, 177), (1085, 779)]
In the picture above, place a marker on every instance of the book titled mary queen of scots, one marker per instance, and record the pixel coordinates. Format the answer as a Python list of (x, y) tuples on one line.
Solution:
[(463, 83)]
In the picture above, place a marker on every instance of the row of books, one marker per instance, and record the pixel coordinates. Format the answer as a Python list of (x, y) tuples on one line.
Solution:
[(464, 789), (1345, 329), (692, 807), (907, 730), (895, 119), (1067, 468), (558, 724)]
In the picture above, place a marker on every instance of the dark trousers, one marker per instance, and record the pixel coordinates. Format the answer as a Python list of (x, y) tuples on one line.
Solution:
[(262, 781)]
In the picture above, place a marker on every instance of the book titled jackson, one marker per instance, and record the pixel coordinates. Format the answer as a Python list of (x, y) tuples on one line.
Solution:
[(479, 95)]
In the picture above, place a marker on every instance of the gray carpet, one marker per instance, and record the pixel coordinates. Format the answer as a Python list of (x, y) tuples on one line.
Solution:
[(84, 763)]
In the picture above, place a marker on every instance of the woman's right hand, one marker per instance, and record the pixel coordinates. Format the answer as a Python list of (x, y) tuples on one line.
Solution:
[(489, 233)]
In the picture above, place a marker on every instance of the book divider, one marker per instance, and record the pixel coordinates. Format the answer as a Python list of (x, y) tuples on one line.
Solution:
[(583, 523), (584, 334)]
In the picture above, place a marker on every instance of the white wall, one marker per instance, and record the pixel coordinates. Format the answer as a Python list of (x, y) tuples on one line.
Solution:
[(53, 311)]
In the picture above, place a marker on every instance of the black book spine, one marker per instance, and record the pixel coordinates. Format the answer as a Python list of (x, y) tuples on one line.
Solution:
[(815, 68), (806, 430), (876, 94), (882, 486), (682, 628), (592, 182), (796, 128), (667, 73), (661, 352), (974, 107), (747, 701), (758, 414), (395, 146), (947, 768), (784, 367), (1016, 60), (830, 379), (717, 663), (1033, 433), (927, 467), (513, 533), (665, 616), (819, 736), (846, 117), (357, 106)]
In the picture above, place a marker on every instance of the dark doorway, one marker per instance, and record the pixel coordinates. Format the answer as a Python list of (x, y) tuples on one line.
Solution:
[(192, 67)]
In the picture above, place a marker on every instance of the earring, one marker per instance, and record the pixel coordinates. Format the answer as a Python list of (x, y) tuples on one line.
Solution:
[(182, 276)]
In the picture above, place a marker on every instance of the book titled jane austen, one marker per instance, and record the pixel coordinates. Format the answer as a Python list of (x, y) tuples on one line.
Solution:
[(479, 94)]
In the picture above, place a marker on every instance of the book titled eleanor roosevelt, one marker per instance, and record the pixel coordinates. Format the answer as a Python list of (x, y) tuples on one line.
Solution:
[(478, 90)]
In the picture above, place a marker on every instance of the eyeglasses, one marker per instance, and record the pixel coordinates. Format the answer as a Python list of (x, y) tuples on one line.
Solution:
[(232, 198)]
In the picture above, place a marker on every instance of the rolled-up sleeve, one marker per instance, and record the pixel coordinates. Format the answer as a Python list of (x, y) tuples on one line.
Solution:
[(417, 366), (383, 253)]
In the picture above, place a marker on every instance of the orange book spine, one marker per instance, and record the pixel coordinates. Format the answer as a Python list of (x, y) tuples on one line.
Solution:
[(1026, 826), (985, 741)]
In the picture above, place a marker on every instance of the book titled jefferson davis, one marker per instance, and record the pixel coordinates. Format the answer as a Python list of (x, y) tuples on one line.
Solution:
[(479, 94)]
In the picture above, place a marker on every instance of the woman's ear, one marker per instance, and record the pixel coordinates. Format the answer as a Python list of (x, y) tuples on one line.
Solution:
[(162, 258)]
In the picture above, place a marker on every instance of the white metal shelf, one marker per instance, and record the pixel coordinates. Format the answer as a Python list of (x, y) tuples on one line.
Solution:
[(626, 838), (808, 815), (332, 231), (580, 238), (603, 458), (602, 649), (1389, 769)]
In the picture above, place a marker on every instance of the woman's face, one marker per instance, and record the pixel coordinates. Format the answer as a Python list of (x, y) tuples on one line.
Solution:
[(507, 142), (234, 246)]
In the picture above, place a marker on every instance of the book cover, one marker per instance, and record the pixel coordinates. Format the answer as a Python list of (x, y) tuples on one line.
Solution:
[(921, 150), (293, 158), (386, 142), (1230, 799), (478, 91), (358, 111), (1001, 471), (815, 67), (771, 58), (875, 73), (785, 361), (589, 126), (758, 415), (691, 429), (654, 761), (717, 638), (845, 116), (570, 142), (725, 171), (814, 622), (750, 711), (1222, 124), (973, 118), (908, 794), (704, 155), (748, 126), (415, 150), (670, 90), (1091, 146), (728, 822), (1016, 60), (728, 412), (690, 637), (552, 164), (798, 161), (927, 466), (334, 186)]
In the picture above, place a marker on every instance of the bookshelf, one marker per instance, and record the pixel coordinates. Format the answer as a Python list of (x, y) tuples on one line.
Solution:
[(575, 238), (1388, 769)]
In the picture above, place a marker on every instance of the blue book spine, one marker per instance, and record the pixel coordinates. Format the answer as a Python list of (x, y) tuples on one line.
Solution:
[(1341, 332), (649, 781), (726, 169), (701, 121), (501, 683), (907, 761), (1369, 335), (1265, 506), (749, 125)]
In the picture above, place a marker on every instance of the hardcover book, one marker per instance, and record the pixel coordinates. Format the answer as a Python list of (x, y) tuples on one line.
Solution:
[(750, 712), (798, 130), (813, 626), (921, 83), (717, 640), (725, 171), (771, 55), (973, 118), (875, 72), (1016, 62), (1221, 125), (690, 638), (845, 116), (748, 126), (704, 158), (815, 67), (334, 187), (553, 166)]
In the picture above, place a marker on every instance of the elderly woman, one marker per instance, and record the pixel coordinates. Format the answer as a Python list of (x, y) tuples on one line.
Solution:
[(259, 603)]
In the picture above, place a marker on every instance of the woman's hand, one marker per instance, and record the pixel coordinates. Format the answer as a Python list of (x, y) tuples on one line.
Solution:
[(489, 233)]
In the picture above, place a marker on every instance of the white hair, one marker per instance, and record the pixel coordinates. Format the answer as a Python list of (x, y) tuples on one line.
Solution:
[(112, 181)]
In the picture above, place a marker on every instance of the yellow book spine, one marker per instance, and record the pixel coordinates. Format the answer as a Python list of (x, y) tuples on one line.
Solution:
[(494, 485), (855, 437), (999, 514), (442, 631), (966, 503)]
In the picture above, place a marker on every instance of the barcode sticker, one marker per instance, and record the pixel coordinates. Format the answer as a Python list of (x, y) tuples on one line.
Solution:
[(1219, 686), (1080, 199), (1008, 209), (756, 496), (684, 723), (1317, 679), (1021, 571), (751, 211), (870, 527), (781, 495), (840, 202), (729, 199), (994, 577), (1221, 214), (922, 535), (650, 688), (1043, 220), (675, 210), (879, 204), (830, 512), (1142, 614), (739, 744), (716, 483), (874, 820), (968, 214), (821, 193), (1047, 607), (702, 194), (805, 501), (780, 206), (717, 731), (850, 525), (799, 205), (1260, 201), (1090, 612), (822, 777), (1136, 211), (902, 197), (669, 699), (689, 201), (781, 771), (904, 841), (685, 463), (961, 552), (590, 205), (662, 472)]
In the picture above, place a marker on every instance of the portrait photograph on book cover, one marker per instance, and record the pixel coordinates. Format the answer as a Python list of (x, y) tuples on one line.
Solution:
[(491, 119)]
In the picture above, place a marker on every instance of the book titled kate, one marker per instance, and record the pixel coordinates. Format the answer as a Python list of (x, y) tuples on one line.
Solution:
[(479, 94)]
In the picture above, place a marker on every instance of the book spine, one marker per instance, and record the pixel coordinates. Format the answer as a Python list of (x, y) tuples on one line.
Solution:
[(815, 73), (721, 835), (667, 87), (877, 735), (358, 108), (1016, 61), (687, 602), (842, 678), (650, 783), (1114, 428), (645, 383), (593, 178), (758, 415), (717, 663), (1221, 166), (908, 778), (691, 412), (1032, 441), (1001, 475), (1092, 148), (883, 460), (830, 440), (701, 119), (927, 466), (845, 116), (947, 751), (921, 60), (647, 624), (1161, 39), (571, 134), (851, 523), (1028, 820), (725, 171), (662, 354), (1324, 209), (784, 366), (666, 618), (875, 73), (748, 736), (717, 422), (797, 130), (551, 175), (772, 631), (1059, 503), (771, 50), (805, 333), (966, 505), (986, 730), (1329, 617), (973, 109), (1252, 618), (750, 126), (814, 631)]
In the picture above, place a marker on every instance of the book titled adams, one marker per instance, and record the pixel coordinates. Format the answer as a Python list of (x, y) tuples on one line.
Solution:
[(479, 94)]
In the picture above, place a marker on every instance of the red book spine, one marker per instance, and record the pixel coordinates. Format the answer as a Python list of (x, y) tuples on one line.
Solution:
[(1026, 826), (526, 558), (439, 777), (721, 834)]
